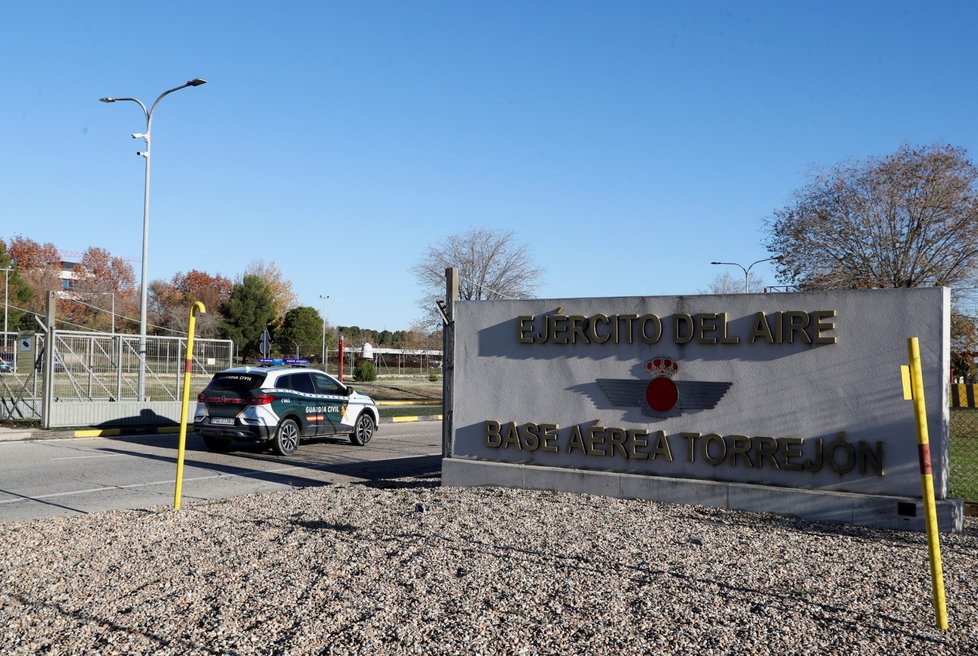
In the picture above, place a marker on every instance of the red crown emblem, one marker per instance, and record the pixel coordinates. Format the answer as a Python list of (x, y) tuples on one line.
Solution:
[(662, 367)]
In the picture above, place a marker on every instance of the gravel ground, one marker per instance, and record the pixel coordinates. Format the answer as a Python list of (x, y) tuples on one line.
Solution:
[(413, 568)]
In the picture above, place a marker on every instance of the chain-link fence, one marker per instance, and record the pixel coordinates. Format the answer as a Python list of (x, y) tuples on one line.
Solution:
[(964, 442), (405, 362)]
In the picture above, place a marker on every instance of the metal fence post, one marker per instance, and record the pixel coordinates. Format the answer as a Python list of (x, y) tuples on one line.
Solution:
[(49, 347), (448, 362), (90, 361), (117, 347)]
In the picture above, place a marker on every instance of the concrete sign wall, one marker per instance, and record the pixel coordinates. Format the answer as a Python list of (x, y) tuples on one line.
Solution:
[(797, 390)]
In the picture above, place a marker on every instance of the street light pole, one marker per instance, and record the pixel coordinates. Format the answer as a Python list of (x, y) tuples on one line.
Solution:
[(324, 330), (746, 270), (147, 137)]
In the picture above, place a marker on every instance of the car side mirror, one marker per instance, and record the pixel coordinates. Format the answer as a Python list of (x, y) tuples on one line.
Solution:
[(349, 391)]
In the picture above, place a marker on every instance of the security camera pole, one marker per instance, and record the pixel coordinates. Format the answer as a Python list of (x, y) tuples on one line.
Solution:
[(146, 136)]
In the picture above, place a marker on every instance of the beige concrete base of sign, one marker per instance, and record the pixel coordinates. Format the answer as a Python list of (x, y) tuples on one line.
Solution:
[(875, 511)]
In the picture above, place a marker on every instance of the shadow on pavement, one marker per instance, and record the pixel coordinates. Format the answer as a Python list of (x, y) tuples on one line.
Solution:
[(378, 473)]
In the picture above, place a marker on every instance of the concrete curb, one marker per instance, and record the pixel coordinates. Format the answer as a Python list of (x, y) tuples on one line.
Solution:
[(37, 434), (409, 418), (32, 434)]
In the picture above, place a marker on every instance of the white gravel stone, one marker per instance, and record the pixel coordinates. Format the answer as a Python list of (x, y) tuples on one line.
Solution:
[(353, 569)]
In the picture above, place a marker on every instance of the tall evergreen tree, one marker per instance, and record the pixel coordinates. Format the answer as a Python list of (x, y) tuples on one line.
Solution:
[(250, 308), (301, 332)]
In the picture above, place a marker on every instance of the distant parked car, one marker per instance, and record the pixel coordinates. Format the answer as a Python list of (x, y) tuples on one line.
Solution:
[(5, 367)]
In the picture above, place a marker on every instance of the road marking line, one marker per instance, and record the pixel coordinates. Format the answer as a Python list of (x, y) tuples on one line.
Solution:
[(102, 455)]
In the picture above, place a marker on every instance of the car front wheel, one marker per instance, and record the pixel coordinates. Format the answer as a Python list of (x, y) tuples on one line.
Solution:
[(363, 430), (286, 439)]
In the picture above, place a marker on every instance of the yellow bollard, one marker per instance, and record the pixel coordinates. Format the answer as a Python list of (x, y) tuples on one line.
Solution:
[(927, 480), (186, 401)]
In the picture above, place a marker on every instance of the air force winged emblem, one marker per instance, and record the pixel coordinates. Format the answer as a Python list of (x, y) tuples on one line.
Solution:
[(663, 397)]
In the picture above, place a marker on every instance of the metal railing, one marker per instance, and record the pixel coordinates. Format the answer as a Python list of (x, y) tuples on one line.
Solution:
[(91, 368), (100, 366)]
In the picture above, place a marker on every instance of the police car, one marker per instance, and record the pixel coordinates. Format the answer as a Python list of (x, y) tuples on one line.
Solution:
[(281, 403)]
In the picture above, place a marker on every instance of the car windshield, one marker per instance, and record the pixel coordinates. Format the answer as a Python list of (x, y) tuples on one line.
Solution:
[(236, 382)]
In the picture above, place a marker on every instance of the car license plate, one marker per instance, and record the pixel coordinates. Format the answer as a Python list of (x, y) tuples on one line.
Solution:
[(227, 421)]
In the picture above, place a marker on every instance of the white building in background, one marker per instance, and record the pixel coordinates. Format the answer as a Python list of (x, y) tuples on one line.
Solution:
[(68, 274)]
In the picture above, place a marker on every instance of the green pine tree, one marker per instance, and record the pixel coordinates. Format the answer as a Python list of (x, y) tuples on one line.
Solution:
[(250, 308)]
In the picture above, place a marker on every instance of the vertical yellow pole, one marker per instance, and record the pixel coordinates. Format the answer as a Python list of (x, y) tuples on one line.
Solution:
[(927, 481), (188, 364)]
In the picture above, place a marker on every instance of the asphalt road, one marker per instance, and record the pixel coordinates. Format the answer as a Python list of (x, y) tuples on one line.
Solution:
[(64, 477)]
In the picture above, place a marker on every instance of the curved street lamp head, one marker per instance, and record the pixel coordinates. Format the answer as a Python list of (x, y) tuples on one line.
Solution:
[(143, 285), (768, 259)]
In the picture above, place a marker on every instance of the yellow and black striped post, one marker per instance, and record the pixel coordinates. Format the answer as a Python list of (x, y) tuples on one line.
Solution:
[(188, 365), (963, 396), (913, 389)]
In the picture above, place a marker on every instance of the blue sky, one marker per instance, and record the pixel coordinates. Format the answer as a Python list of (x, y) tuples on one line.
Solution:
[(628, 143)]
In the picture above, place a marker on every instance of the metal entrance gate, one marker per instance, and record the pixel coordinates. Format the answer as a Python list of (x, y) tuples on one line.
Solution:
[(94, 377)]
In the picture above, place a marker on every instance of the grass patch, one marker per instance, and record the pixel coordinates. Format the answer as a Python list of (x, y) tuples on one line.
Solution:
[(400, 389), (411, 411), (964, 453)]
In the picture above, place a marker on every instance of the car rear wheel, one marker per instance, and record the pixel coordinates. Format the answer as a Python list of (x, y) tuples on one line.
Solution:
[(286, 439), (363, 430), (217, 443)]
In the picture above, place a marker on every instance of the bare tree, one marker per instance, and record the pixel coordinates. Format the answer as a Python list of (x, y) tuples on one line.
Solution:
[(964, 347), (421, 336), (724, 283), (491, 266), (281, 288), (908, 219)]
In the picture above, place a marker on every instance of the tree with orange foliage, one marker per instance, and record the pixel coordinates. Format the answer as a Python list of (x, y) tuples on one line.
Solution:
[(18, 294), (39, 265), (170, 301), (100, 282)]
